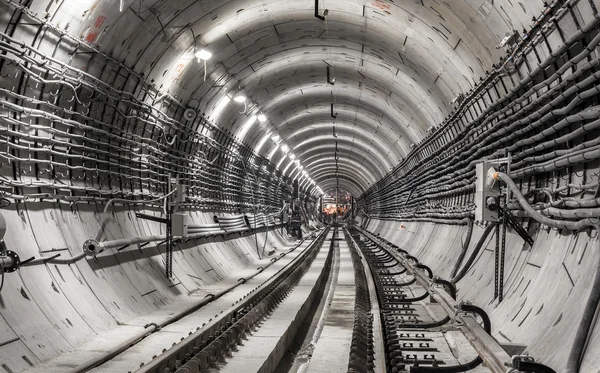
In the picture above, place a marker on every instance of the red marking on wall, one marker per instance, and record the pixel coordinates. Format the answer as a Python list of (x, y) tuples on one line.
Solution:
[(179, 68), (100, 21), (96, 28), (381, 4)]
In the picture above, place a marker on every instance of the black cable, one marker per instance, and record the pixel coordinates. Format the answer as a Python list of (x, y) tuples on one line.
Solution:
[(487, 324), (2, 252), (2, 272), (532, 367), (464, 250), (474, 254)]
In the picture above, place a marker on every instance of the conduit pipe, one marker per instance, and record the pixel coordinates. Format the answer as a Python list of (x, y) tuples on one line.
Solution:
[(488, 113), (6, 261), (529, 210), (93, 247), (110, 203), (465, 133), (474, 254), (153, 327), (465, 247)]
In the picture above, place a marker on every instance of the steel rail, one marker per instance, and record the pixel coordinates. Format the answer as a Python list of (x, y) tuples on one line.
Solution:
[(379, 361), (492, 353)]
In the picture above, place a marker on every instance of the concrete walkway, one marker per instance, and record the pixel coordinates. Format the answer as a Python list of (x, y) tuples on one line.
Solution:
[(332, 352), (264, 349)]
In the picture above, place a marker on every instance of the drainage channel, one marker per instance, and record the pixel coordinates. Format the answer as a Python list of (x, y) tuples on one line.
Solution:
[(254, 332)]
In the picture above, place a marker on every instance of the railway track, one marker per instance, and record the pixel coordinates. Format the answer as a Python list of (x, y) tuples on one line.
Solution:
[(424, 329), (220, 322), (207, 350), (400, 318)]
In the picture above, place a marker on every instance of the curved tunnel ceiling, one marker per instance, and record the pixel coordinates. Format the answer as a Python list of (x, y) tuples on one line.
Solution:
[(397, 66)]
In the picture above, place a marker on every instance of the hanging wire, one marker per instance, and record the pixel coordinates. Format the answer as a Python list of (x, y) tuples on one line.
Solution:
[(333, 91), (196, 50)]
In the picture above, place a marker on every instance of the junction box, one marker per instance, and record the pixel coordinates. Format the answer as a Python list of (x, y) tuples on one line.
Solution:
[(487, 190), (180, 224)]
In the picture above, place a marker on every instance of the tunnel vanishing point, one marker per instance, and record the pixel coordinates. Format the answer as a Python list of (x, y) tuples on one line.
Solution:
[(278, 186)]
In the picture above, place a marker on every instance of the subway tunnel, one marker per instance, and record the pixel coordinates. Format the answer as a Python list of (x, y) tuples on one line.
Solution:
[(299, 186)]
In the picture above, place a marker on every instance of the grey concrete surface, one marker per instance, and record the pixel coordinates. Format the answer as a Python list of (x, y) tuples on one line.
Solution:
[(264, 349), (332, 349), (398, 65), (164, 338)]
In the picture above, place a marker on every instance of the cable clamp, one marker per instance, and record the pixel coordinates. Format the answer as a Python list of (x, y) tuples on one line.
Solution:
[(156, 326)]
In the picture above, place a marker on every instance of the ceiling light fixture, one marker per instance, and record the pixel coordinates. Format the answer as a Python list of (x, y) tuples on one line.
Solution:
[(203, 54), (262, 118), (292, 156), (239, 98), (285, 148), (276, 138)]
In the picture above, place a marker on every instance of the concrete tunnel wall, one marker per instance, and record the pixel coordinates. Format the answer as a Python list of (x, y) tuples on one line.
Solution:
[(546, 286), (49, 309)]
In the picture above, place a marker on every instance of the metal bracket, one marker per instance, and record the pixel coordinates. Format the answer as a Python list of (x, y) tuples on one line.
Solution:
[(330, 79), (317, 15), (151, 218), (524, 363), (123, 247), (512, 221)]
